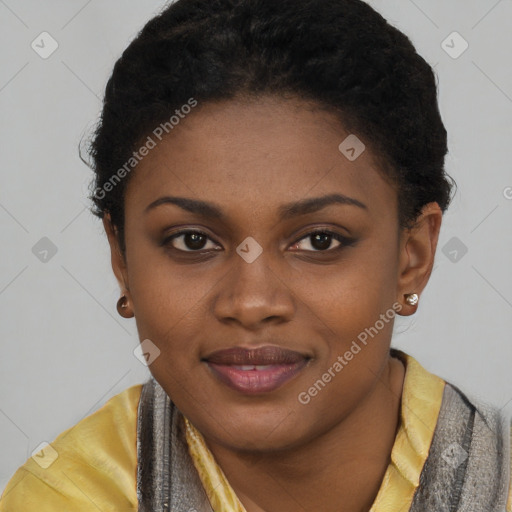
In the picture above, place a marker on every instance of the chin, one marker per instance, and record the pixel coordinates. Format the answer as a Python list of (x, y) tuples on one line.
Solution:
[(276, 429)]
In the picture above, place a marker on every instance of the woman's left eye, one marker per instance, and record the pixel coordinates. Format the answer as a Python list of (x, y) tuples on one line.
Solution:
[(321, 241)]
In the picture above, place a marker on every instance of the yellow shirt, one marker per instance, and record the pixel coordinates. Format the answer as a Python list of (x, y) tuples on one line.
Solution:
[(93, 465)]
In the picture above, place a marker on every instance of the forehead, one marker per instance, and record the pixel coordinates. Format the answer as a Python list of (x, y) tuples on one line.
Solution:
[(257, 155)]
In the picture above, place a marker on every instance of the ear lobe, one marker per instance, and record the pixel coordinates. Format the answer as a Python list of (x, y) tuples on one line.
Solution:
[(417, 252), (116, 256)]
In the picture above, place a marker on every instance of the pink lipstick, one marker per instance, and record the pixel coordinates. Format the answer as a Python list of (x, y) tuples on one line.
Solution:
[(254, 371)]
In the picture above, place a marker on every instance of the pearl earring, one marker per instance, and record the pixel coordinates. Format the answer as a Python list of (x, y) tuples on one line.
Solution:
[(122, 306), (411, 299)]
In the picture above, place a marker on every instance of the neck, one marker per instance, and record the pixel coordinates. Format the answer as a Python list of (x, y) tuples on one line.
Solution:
[(344, 466)]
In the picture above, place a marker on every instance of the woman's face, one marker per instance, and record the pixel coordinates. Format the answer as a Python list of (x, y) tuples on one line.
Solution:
[(256, 179)]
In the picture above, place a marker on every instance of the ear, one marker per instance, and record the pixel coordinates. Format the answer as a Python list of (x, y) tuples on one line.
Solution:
[(117, 259), (417, 251)]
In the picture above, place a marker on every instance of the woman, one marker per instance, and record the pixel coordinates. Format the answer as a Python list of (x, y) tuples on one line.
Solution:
[(270, 176)]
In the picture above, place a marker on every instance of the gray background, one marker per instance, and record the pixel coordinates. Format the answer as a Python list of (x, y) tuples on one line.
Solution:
[(65, 351)]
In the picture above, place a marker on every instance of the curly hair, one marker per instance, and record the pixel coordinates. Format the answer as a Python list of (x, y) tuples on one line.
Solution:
[(340, 54)]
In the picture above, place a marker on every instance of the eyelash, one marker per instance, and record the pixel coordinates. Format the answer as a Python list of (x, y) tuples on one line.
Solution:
[(344, 241)]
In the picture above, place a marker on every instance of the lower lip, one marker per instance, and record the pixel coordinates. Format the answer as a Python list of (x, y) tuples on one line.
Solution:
[(256, 381)]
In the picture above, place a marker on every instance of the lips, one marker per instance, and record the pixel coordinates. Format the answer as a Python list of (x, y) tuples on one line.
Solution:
[(257, 356), (253, 371)]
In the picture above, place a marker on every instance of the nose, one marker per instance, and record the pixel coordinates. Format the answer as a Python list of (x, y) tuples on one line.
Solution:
[(254, 294)]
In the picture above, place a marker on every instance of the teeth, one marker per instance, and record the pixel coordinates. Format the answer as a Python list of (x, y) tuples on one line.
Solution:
[(252, 367)]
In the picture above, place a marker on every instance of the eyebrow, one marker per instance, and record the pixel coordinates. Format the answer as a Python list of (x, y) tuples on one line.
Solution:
[(285, 211)]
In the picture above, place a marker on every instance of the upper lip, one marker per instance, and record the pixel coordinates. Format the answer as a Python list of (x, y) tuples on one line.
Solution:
[(268, 354)]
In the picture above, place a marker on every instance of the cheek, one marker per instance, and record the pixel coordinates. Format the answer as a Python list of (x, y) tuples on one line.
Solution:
[(169, 303), (350, 295), (170, 312), (351, 307)]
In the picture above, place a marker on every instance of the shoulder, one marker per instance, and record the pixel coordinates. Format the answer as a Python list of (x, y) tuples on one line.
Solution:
[(480, 433), (89, 466), (500, 424)]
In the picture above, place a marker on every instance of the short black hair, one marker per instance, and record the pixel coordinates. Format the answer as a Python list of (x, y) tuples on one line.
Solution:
[(340, 54)]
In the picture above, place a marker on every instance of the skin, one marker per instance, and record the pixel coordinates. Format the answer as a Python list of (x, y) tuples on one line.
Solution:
[(249, 158)]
